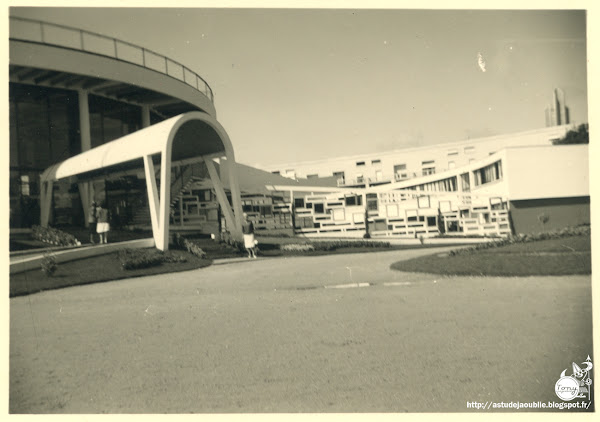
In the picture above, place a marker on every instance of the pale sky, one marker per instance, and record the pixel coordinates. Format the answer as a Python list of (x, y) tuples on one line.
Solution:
[(303, 84)]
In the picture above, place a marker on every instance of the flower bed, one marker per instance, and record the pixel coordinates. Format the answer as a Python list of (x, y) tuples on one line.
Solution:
[(297, 247), (339, 244), (525, 238), (54, 236)]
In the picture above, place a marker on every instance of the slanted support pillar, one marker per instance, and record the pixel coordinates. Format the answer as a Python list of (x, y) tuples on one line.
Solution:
[(228, 165), (153, 201), (162, 241), (222, 198), (159, 205)]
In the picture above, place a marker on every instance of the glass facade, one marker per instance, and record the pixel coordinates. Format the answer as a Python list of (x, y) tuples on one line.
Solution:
[(44, 130), (110, 119)]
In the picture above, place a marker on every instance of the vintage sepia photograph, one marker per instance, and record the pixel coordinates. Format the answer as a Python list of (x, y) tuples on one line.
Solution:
[(299, 210)]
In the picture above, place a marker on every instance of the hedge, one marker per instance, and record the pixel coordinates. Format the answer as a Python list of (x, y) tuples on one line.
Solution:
[(525, 238), (133, 259)]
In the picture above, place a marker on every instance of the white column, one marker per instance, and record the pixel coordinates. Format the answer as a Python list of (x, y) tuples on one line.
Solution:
[(84, 120), (86, 189), (45, 202), (145, 116)]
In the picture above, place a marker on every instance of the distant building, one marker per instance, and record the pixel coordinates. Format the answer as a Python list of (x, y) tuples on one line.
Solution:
[(409, 163), (557, 113)]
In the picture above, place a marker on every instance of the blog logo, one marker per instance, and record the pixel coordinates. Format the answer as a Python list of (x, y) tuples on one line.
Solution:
[(576, 385)]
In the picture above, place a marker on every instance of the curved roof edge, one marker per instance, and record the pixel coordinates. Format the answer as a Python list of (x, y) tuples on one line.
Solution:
[(103, 73)]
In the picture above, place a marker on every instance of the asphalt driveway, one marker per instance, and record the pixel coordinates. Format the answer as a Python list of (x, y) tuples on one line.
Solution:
[(267, 336)]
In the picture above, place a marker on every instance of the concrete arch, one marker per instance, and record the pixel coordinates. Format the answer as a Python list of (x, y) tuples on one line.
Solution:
[(193, 135)]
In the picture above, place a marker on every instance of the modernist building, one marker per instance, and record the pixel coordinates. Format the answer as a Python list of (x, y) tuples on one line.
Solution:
[(94, 118), (505, 192), (404, 164)]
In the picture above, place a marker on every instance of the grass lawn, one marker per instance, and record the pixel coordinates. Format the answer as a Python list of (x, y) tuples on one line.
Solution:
[(565, 256), (94, 270)]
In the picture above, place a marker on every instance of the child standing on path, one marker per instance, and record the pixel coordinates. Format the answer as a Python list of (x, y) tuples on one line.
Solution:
[(248, 231)]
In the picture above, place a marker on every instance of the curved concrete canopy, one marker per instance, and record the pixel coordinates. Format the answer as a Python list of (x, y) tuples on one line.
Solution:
[(189, 135), (184, 137)]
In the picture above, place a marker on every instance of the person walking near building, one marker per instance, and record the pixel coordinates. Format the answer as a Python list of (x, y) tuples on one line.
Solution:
[(249, 241), (92, 220), (102, 226)]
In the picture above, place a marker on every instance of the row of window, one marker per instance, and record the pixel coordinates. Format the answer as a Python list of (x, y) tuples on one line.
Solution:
[(488, 174), (373, 162), (353, 200), (427, 167)]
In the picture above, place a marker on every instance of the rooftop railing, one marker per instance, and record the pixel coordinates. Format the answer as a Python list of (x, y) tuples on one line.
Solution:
[(64, 36)]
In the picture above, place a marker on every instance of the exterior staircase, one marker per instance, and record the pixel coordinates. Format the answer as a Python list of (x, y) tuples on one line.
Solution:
[(182, 179)]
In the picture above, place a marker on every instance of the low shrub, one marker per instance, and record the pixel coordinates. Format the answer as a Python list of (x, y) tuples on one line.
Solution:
[(185, 244), (49, 265), (338, 244), (133, 259), (54, 236), (230, 241), (168, 257), (325, 246)]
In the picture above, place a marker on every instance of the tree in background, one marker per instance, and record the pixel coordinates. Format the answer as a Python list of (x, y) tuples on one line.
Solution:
[(579, 136)]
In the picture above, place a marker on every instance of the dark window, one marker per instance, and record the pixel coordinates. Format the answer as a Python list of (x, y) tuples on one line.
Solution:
[(360, 163), (319, 208), (372, 203), (340, 176), (353, 200), (299, 202), (44, 130), (110, 120), (464, 179)]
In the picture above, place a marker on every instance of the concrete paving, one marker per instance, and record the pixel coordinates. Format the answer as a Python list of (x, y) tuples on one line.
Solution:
[(266, 335)]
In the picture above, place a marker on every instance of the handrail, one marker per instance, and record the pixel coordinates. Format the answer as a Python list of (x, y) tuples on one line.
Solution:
[(32, 30)]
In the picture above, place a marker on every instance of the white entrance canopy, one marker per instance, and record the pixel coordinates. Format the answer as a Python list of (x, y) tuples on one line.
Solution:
[(189, 136)]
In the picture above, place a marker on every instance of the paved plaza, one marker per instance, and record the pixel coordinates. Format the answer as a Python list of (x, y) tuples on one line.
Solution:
[(339, 333)]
